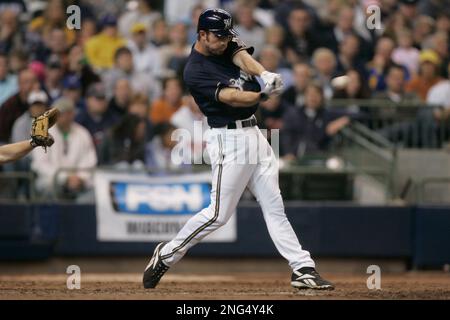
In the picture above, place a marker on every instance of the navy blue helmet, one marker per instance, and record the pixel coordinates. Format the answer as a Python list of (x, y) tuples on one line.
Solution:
[(217, 21)]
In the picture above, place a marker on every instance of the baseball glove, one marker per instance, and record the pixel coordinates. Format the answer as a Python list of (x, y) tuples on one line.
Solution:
[(39, 129)]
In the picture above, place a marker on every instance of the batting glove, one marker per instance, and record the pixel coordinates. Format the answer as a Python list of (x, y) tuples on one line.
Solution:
[(272, 81)]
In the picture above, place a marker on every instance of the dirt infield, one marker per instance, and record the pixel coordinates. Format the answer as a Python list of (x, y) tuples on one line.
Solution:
[(226, 286)]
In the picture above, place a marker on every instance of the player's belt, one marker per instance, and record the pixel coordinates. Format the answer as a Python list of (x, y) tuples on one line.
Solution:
[(243, 123)]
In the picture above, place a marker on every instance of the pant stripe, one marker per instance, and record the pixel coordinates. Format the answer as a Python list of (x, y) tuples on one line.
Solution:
[(216, 209)]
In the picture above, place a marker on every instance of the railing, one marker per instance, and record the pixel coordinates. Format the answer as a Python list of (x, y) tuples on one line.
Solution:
[(408, 124), (19, 186), (423, 196), (368, 153)]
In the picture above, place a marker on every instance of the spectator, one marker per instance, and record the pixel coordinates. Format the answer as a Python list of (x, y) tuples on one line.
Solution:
[(342, 29), (380, 63), (97, 118), (125, 143), (405, 53), (439, 43), (78, 67), (73, 148), (433, 8), (398, 131), (443, 22), (174, 12), (408, 10), (121, 98), (53, 78), (190, 118), (54, 44), (423, 27), (428, 74), (348, 57), (8, 81), (17, 104), (324, 61), (101, 48), (274, 36), (439, 96), (158, 152), (395, 89), (72, 91), (295, 94), (18, 60), (87, 31), (164, 108), (141, 82), (355, 88), (38, 102), (139, 106), (160, 33), (248, 29), (192, 30), (271, 113), (53, 18), (310, 128), (186, 116), (270, 59), (10, 36), (144, 14), (146, 57), (299, 42), (174, 55), (38, 68)]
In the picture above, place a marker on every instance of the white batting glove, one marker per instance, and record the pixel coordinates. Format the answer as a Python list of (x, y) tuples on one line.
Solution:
[(272, 82)]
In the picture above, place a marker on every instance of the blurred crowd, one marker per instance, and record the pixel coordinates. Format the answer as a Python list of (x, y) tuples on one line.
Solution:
[(117, 80)]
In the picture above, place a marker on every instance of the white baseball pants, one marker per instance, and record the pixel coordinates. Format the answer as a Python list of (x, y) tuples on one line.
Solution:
[(240, 158)]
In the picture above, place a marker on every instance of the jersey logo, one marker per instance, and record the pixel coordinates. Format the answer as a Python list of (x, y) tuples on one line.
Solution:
[(237, 83)]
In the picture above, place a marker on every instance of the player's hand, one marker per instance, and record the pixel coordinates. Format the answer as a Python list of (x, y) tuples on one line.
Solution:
[(273, 82)]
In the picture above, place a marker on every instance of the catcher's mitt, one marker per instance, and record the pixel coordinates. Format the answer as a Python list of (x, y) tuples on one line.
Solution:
[(40, 126)]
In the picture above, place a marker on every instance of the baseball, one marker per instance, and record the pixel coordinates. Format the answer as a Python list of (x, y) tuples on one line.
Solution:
[(340, 82)]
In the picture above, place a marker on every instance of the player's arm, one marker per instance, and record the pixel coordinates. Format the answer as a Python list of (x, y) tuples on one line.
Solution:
[(237, 98), (247, 63), (14, 151)]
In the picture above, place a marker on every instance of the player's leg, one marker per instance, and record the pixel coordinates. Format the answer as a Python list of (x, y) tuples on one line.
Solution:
[(228, 183), (264, 186)]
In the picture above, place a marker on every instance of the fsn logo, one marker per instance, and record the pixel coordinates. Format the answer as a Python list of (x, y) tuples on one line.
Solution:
[(373, 17), (74, 20), (374, 281), (74, 280)]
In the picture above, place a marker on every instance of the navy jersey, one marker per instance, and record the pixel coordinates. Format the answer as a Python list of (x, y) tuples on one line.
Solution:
[(205, 76)]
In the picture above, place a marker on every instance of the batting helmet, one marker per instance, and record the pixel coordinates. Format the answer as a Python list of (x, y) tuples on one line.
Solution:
[(217, 21)]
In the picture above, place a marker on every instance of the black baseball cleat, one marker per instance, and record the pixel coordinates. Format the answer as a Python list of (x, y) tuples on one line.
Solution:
[(155, 268), (309, 278)]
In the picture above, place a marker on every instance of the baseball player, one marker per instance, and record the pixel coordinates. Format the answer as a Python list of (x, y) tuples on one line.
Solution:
[(220, 74), (39, 137)]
